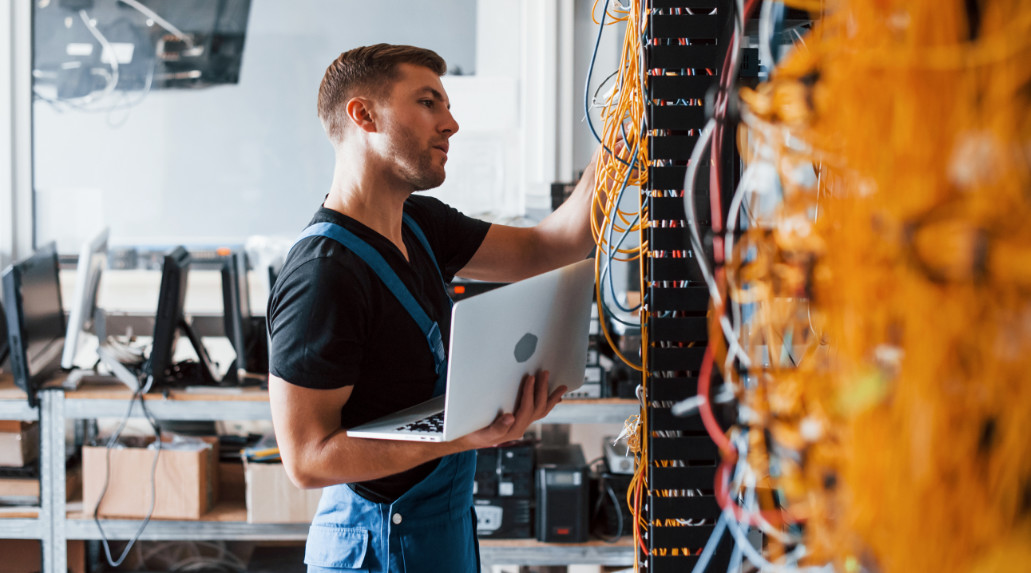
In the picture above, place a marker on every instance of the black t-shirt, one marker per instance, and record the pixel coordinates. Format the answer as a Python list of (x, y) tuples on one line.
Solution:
[(333, 323)]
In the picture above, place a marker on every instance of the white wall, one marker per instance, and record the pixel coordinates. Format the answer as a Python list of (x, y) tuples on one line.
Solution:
[(216, 165), (220, 164)]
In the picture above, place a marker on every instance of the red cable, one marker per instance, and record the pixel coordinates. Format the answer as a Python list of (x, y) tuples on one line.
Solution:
[(637, 522), (716, 147), (705, 408)]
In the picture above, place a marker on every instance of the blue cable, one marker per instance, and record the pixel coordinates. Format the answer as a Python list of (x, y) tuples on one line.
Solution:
[(590, 72), (587, 85), (710, 545)]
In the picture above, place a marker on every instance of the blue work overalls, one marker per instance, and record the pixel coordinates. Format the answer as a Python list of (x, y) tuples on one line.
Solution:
[(431, 527)]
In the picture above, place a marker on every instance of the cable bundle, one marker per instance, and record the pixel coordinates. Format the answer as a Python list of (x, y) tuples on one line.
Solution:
[(622, 167), (874, 311)]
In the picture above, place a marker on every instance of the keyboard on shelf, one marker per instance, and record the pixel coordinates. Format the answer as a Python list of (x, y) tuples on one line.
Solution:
[(430, 424)]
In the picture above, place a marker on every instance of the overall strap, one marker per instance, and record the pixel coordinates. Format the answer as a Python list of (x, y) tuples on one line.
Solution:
[(379, 265), (408, 220)]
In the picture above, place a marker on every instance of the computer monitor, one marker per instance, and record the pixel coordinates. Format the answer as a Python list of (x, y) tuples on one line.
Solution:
[(35, 319), (243, 331), (3, 336), (168, 322), (92, 260)]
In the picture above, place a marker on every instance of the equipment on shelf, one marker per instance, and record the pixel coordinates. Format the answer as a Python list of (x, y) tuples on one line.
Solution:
[(168, 322), (504, 491), (562, 494), (35, 319), (84, 314), (245, 332)]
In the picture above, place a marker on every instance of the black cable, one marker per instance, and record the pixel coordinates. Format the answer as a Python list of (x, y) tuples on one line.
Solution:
[(587, 86), (618, 509), (138, 395)]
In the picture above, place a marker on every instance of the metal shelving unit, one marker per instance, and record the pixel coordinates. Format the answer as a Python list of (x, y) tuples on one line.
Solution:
[(20, 525), (18, 410), (530, 552), (56, 525)]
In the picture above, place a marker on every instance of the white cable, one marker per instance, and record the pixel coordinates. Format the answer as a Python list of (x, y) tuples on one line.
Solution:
[(692, 224), (766, 34), (105, 47), (159, 20)]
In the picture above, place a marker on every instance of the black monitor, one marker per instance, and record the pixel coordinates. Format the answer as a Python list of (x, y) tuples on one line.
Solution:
[(3, 335), (243, 330), (35, 319), (92, 260), (168, 323)]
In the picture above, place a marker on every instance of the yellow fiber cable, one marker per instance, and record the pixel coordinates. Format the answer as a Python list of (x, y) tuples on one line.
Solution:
[(890, 292)]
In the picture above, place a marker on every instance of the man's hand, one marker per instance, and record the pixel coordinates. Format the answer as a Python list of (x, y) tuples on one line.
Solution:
[(534, 404)]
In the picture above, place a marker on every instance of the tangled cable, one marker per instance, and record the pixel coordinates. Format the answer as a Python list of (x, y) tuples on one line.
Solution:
[(876, 292)]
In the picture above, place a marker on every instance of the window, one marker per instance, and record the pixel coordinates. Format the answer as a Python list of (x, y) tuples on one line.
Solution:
[(206, 134)]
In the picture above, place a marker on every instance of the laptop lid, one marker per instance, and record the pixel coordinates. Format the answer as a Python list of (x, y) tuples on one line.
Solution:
[(498, 337)]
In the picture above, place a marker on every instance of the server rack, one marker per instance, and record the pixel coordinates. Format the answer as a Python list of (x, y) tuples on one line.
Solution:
[(685, 41)]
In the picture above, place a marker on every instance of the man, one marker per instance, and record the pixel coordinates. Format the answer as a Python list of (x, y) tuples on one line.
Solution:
[(345, 349)]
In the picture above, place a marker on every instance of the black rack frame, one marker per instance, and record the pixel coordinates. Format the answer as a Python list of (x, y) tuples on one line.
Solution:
[(675, 288)]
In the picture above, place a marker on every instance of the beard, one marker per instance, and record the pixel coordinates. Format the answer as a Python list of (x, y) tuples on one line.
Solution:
[(416, 163)]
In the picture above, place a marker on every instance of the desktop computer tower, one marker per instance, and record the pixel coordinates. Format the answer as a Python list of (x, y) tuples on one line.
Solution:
[(563, 494)]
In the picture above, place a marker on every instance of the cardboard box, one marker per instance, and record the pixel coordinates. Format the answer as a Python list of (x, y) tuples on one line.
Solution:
[(13, 425), (185, 486), (19, 446), (232, 486), (25, 490), (23, 556), (273, 498)]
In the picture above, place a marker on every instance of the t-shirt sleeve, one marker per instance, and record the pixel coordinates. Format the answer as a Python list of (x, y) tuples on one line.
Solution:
[(454, 236), (317, 319)]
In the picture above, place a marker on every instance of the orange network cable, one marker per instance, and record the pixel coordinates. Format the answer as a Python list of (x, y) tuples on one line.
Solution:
[(889, 292), (621, 168)]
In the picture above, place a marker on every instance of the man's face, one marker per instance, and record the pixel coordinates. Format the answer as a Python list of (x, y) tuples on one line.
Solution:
[(416, 121)]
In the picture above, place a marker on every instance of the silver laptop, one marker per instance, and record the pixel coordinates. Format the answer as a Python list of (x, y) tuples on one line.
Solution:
[(498, 337)]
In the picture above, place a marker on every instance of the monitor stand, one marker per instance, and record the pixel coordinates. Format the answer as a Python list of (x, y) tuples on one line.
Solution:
[(208, 373), (119, 370)]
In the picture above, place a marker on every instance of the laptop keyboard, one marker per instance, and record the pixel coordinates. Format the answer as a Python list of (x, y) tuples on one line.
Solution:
[(430, 424)]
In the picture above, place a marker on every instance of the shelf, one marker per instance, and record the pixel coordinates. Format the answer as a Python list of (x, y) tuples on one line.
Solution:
[(21, 524), (227, 521), (110, 401), (13, 403), (533, 552), (596, 411)]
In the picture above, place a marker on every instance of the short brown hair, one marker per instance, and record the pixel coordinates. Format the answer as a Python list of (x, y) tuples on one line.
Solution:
[(369, 71)]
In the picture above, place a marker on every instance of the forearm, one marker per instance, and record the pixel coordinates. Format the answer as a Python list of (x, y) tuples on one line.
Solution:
[(312, 461), (342, 459)]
